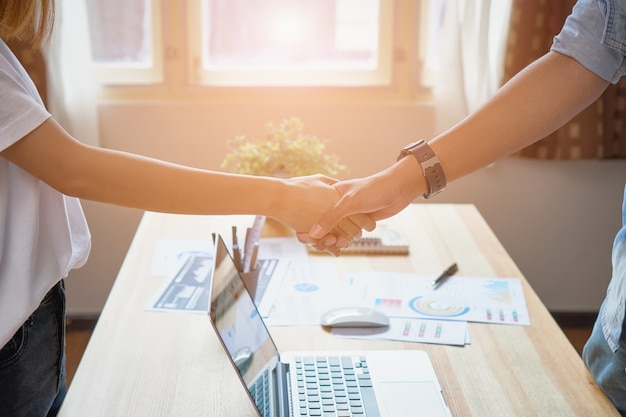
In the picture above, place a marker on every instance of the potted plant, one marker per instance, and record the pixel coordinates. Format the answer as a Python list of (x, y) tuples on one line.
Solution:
[(286, 151)]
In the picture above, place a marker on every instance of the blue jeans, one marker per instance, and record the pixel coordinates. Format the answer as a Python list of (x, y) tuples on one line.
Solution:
[(607, 367), (605, 351), (32, 363)]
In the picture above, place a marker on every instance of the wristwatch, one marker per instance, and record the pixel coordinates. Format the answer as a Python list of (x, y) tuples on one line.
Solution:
[(433, 172)]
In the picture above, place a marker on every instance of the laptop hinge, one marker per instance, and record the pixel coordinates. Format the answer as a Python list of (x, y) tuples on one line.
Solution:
[(281, 376)]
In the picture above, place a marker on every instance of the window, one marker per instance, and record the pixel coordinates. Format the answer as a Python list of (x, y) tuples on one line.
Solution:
[(174, 47), (286, 42), (125, 40)]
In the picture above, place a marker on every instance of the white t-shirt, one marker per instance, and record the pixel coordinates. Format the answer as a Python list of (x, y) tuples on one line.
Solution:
[(43, 233)]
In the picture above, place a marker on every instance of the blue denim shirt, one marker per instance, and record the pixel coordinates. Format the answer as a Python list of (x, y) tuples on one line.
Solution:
[(595, 35)]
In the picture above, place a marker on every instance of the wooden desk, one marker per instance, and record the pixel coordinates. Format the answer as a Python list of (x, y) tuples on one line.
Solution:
[(141, 363)]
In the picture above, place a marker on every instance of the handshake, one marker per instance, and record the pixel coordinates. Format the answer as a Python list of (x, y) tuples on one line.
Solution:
[(329, 214)]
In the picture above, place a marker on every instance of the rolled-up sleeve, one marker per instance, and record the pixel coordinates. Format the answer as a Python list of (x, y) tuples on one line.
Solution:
[(594, 35)]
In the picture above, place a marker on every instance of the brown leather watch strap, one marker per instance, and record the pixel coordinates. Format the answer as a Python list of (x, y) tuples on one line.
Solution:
[(433, 172)]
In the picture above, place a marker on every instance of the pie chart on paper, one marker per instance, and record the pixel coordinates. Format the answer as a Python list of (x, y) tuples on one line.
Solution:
[(436, 308)]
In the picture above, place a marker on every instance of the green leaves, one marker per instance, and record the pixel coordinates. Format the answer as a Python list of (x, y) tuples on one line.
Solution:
[(286, 151)]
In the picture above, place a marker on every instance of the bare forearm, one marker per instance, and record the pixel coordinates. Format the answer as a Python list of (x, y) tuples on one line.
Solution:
[(125, 179), (139, 182), (533, 104)]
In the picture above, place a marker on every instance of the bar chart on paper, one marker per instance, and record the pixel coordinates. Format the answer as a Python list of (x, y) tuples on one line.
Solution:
[(388, 303), (442, 332)]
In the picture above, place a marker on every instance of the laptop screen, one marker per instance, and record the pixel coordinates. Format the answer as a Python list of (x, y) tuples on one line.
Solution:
[(237, 320)]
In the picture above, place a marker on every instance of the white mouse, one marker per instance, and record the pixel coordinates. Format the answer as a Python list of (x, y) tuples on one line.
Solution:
[(354, 317)]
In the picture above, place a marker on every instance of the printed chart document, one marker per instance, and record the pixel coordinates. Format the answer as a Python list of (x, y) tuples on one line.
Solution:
[(188, 264), (308, 291), (168, 253), (442, 332), (188, 290), (297, 293), (460, 298), (311, 289)]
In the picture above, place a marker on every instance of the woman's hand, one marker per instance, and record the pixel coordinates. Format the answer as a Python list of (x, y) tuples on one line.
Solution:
[(310, 197)]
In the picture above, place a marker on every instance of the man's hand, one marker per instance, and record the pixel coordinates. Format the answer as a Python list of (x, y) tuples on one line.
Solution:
[(379, 196), (314, 195)]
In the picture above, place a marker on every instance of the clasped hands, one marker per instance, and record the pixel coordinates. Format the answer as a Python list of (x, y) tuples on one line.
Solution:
[(334, 213)]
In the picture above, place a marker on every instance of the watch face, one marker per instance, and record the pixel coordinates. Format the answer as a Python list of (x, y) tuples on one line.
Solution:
[(414, 145), (408, 149)]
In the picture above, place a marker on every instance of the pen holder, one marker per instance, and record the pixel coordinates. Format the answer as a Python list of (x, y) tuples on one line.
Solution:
[(250, 280)]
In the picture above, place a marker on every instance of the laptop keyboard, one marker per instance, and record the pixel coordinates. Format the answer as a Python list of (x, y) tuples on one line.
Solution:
[(260, 392), (334, 386)]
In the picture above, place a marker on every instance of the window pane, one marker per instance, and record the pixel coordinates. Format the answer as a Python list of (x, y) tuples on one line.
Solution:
[(433, 43), (288, 34), (120, 31)]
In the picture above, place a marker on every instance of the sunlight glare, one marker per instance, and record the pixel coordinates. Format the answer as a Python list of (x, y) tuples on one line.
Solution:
[(287, 28)]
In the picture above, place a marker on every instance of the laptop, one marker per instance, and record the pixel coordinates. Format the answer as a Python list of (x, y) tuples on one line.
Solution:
[(370, 383)]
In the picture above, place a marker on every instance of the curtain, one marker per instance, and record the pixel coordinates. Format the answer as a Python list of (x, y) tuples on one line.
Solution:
[(595, 133), (472, 46), (72, 93)]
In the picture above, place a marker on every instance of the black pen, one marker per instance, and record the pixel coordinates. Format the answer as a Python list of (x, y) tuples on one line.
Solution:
[(451, 270)]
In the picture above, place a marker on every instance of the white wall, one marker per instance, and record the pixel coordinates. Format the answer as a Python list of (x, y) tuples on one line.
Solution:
[(556, 219)]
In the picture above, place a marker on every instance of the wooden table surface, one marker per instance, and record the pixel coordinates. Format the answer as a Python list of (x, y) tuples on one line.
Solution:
[(141, 363)]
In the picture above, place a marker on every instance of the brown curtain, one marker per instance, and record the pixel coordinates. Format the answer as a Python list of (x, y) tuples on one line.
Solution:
[(596, 133)]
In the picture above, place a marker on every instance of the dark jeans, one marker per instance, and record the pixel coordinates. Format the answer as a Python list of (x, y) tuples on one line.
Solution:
[(32, 363)]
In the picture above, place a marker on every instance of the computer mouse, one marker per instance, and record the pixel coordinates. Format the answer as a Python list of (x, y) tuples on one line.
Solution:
[(354, 317)]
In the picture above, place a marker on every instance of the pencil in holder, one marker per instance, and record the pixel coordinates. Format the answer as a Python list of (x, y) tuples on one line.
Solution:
[(250, 280)]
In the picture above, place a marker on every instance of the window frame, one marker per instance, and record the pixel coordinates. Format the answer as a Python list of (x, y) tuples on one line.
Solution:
[(171, 78), (137, 74), (380, 75)]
